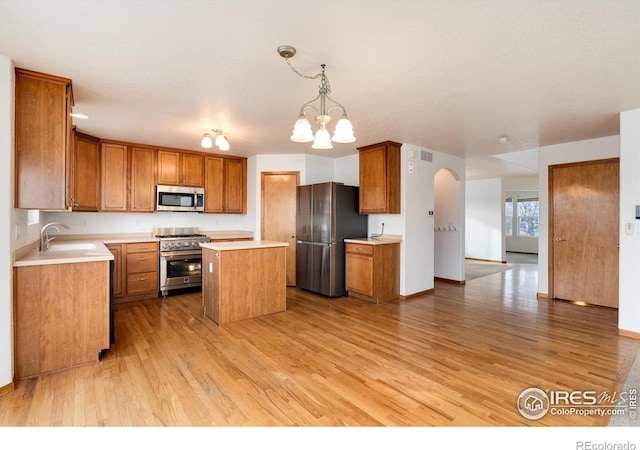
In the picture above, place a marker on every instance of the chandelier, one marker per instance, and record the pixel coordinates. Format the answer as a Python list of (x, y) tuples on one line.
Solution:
[(220, 140), (343, 132)]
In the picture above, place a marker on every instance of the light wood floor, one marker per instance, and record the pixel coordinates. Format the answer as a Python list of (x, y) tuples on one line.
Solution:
[(458, 357)]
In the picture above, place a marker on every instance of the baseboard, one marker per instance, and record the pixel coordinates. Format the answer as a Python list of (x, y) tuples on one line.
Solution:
[(6, 388), (522, 253), (417, 294), (629, 334), (540, 295), (495, 261), (447, 280)]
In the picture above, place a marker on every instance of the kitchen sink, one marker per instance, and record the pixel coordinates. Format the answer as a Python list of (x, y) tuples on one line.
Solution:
[(71, 246)]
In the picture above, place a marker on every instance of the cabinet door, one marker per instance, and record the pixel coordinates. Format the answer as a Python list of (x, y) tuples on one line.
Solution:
[(359, 274), (143, 180), (380, 178), (42, 145), (114, 177), (86, 173), (169, 168), (235, 186), (213, 184), (192, 170), (118, 270), (373, 180)]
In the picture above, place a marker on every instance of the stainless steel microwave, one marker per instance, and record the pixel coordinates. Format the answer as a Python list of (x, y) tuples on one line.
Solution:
[(179, 198)]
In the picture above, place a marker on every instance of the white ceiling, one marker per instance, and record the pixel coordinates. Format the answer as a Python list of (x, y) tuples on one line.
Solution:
[(452, 76)]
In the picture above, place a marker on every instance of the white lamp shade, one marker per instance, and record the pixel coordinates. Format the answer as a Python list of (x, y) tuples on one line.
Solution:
[(224, 144), (323, 140), (343, 132), (302, 130), (206, 141)]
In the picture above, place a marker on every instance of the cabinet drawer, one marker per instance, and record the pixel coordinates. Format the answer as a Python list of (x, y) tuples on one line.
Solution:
[(142, 247), (142, 262), (359, 248), (137, 283)]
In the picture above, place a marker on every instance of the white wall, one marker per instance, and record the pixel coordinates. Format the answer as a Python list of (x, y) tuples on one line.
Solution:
[(484, 212), (629, 287), (312, 168), (592, 149), (6, 220), (347, 170), (107, 222), (417, 266)]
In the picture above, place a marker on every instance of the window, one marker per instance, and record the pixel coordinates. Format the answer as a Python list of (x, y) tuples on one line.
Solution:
[(508, 217), (528, 216)]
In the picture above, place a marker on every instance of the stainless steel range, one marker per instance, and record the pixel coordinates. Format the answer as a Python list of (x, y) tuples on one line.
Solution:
[(180, 258)]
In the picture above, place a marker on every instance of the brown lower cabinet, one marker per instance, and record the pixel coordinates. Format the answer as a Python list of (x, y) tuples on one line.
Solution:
[(373, 271), (61, 318), (136, 271)]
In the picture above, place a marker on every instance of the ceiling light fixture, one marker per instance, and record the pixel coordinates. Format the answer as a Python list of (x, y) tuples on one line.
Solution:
[(302, 132), (220, 140)]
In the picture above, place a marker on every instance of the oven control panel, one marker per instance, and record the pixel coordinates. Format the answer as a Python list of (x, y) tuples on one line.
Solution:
[(181, 244)]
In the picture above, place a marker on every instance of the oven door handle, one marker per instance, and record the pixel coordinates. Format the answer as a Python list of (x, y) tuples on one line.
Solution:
[(174, 256)]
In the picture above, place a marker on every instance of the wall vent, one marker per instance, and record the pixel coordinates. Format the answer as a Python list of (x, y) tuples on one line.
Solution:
[(426, 156)]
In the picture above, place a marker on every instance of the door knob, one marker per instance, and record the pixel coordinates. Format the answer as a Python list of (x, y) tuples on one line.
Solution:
[(559, 239)]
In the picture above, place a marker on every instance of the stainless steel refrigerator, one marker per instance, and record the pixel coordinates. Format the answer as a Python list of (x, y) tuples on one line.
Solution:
[(327, 213)]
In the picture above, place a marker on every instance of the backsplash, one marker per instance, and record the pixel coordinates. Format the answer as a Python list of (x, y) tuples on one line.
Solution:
[(93, 223)]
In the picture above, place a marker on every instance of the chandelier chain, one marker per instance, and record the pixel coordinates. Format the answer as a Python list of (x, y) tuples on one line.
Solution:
[(324, 81)]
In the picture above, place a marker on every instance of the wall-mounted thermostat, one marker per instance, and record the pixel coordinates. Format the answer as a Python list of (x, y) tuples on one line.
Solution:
[(637, 211)]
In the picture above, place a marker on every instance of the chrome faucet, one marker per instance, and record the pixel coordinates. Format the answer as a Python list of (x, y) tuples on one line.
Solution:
[(44, 234)]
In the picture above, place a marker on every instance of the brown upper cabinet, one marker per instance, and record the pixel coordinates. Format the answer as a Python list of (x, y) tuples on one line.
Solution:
[(142, 179), (115, 168), (128, 178), (86, 173), (43, 141), (380, 178), (225, 185), (180, 168)]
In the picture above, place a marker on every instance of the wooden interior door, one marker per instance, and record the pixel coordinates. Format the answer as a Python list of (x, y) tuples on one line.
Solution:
[(583, 231), (279, 214)]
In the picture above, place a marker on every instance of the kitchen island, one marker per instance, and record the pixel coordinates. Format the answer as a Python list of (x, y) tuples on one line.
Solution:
[(243, 280)]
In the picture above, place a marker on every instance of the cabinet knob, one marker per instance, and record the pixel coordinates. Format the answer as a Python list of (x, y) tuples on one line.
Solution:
[(142, 279), (142, 259)]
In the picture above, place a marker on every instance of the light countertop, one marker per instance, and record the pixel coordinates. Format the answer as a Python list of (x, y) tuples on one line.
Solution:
[(66, 252), (387, 239), (242, 245)]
